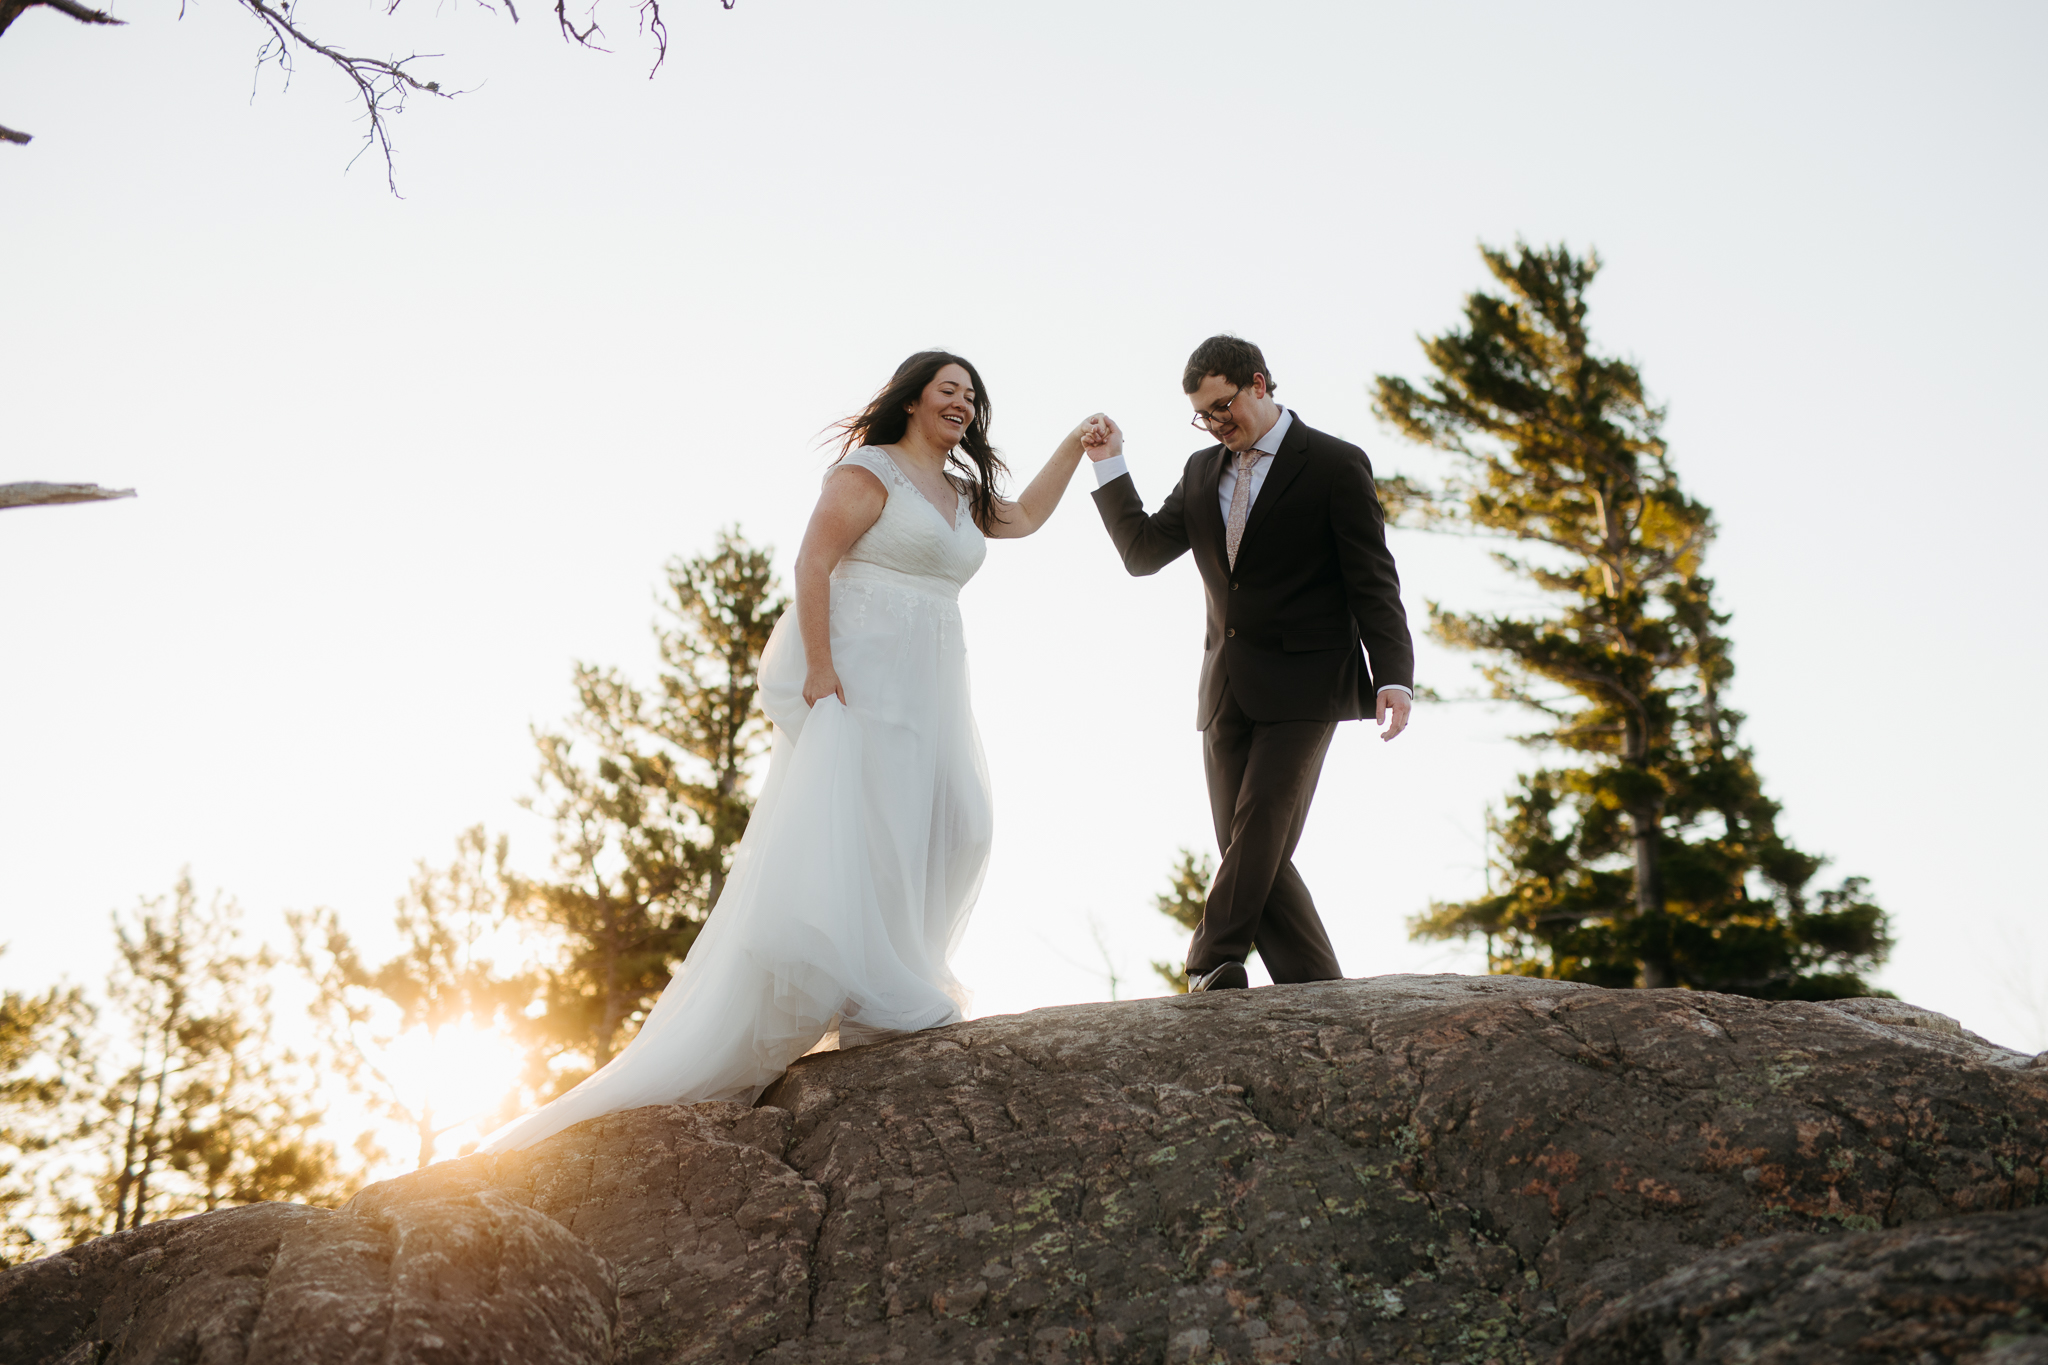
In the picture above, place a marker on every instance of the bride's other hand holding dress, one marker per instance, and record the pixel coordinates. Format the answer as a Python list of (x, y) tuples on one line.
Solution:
[(849, 505)]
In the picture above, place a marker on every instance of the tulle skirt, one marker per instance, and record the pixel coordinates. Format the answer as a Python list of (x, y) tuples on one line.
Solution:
[(854, 880)]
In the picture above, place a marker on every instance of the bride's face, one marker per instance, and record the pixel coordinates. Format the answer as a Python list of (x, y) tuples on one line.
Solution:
[(943, 411)]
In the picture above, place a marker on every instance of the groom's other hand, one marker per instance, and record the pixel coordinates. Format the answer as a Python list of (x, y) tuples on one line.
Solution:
[(1391, 715)]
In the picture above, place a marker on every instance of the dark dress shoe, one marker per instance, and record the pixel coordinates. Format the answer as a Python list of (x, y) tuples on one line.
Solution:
[(1229, 977)]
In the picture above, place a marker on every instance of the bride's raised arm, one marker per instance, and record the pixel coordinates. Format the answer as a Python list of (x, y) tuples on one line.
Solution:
[(1035, 505), (852, 501)]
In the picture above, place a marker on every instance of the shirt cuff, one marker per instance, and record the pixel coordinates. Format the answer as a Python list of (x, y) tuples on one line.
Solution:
[(1407, 692), (1111, 468)]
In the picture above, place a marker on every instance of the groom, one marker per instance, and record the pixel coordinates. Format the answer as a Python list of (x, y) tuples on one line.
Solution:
[(1292, 548)]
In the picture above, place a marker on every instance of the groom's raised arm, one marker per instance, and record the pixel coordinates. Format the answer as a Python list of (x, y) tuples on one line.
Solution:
[(1147, 543)]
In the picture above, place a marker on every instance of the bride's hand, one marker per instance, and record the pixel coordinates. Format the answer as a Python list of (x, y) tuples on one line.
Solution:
[(820, 683), (1101, 438)]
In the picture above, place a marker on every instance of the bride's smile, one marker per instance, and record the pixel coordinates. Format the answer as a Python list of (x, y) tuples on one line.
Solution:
[(943, 412)]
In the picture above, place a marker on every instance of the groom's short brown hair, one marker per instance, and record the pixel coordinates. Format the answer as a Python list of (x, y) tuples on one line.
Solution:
[(1230, 356)]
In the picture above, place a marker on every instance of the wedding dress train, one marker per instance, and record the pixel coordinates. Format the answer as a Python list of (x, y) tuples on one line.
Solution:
[(861, 864)]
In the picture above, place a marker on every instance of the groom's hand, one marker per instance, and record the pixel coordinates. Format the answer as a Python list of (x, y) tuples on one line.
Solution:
[(1104, 438), (1393, 707)]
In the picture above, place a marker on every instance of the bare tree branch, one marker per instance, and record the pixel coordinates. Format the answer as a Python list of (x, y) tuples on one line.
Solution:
[(10, 10), (46, 494), (570, 31), (650, 22), (382, 83), (82, 13)]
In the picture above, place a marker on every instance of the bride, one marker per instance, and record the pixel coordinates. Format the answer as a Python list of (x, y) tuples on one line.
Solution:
[(865, 853)]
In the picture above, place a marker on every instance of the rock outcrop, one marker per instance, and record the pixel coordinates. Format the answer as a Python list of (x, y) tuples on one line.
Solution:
[(1403, 1168)]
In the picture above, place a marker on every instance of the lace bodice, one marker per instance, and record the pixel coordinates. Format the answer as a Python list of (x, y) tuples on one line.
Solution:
[(911, 537)]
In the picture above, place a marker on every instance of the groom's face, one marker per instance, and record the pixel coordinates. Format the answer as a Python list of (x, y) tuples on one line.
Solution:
[(1233, 412)]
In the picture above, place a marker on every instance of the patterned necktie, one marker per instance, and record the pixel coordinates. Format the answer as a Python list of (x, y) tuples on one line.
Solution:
[(1240, 504)]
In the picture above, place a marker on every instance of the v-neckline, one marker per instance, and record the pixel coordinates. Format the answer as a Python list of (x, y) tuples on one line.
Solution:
[(952, 522)]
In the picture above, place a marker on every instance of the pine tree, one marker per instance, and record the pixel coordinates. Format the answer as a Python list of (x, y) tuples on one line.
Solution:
[(648, 797), (208, 1110), (46, 1078), (1653, 858), (1185, 899), (250, 1122), (444, 975)]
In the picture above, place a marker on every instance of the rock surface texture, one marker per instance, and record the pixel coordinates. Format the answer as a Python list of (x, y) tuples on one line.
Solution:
[(1396, 1169)]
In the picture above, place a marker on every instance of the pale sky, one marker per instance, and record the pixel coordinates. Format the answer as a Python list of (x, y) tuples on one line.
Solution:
[(402, 461)]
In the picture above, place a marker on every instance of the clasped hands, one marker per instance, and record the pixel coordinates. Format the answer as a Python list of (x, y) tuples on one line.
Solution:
[(1100, 437)]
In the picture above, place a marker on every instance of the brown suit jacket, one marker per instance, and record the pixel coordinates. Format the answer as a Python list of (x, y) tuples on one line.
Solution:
[(1309, 626)]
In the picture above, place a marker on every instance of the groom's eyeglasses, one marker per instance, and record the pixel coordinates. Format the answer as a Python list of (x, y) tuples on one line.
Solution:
[(1209, 418)]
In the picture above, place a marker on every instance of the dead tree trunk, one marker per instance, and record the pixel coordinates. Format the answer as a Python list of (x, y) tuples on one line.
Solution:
[(43, 494)]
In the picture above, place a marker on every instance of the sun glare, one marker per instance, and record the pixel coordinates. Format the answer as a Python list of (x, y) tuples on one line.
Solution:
[(463, 1072)]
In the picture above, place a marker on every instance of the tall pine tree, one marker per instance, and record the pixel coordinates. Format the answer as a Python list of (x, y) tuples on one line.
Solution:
[(648, 798), (1651, 856)]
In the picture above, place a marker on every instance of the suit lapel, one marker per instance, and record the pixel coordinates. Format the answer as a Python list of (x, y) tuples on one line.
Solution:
[(1205, 517), (1288, 463)]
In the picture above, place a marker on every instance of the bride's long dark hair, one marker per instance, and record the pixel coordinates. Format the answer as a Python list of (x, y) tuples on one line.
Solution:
[(887, 417)]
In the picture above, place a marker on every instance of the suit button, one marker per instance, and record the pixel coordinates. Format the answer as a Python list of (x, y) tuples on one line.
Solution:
[(1232, 632), (1233, 587)]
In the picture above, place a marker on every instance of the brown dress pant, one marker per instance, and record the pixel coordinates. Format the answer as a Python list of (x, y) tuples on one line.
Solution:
[(1262, 777)]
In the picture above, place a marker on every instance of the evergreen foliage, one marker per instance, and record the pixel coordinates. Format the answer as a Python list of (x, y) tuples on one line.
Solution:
[(1185, 898), (1651, 856), (175, 1097), (45, 1080), (208, 1110), (648, 798)]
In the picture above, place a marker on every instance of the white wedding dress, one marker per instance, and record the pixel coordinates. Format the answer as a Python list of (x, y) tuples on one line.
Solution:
[(856, 875)]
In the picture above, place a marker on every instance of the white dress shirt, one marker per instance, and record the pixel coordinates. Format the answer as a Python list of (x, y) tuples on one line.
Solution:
[(1267, 447)]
